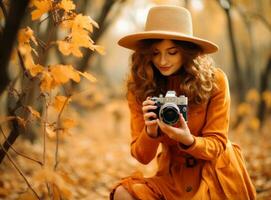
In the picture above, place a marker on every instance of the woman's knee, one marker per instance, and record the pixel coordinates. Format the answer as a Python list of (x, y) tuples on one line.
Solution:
[(122, 194)]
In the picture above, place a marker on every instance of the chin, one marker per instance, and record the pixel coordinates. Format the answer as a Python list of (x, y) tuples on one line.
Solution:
[(166, 73)]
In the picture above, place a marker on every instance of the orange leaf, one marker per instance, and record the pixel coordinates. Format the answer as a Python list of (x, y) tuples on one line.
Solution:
[(42, 7), (60, 101), (63, 73), (67, 5), (68, 48), (68, 123), (99, 49), (88, 76), (35, 69), (25, 35), (46, 82)]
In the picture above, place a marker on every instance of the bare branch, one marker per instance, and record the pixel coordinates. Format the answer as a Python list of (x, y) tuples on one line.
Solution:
[(58, 129), (21, 154), (20, 172)]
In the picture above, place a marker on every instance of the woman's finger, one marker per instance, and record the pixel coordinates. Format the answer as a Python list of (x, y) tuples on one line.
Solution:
[(148, 115), (182, 121), (148, 108), (150, 123)]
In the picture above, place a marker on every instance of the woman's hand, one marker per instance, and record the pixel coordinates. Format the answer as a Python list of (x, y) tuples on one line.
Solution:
[(180, 134), (150, 117)]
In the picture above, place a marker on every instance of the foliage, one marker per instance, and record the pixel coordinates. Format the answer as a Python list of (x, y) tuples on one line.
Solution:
[(51, 80)]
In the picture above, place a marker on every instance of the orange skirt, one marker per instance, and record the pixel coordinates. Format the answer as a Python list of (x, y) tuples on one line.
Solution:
[(180, 182)]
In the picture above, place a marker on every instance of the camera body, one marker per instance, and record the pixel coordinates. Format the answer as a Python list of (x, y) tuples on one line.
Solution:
[(169, 107)]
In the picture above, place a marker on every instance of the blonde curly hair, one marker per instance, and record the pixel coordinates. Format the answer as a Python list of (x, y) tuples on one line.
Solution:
[(196, 74)]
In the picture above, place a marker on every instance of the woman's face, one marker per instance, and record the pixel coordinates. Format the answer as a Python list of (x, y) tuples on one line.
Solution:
[(167, 57)]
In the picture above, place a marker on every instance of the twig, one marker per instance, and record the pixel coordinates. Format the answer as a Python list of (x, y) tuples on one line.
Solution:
[(44, 131), (20, 172), (21, 154), (57, 132)]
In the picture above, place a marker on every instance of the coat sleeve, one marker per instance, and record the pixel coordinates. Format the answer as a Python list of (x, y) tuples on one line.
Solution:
[(212, 141), (143, 147)]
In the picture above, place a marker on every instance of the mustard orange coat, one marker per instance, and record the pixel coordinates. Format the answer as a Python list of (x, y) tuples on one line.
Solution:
[(220, 172)]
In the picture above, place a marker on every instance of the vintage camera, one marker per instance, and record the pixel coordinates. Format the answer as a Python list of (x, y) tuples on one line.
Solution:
[(169, 107)]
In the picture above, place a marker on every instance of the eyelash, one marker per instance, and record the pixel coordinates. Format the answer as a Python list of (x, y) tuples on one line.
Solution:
[(170, 53)]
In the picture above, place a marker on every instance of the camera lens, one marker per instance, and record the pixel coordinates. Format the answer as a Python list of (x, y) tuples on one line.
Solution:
[(170, 115)]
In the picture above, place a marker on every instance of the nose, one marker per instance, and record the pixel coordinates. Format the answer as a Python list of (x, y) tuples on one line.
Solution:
[(163, 60)]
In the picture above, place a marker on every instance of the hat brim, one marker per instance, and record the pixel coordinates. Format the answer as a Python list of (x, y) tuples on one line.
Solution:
[(131, 41)]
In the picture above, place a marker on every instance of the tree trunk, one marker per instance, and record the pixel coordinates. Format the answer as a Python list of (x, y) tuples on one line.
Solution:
[(13, 20), (263, 87), (14, 17)]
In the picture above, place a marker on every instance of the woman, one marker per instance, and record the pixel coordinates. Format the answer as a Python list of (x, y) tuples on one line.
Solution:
[(197, 160)]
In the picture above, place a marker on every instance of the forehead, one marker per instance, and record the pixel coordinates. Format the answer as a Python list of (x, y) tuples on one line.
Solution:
[(164, 44)]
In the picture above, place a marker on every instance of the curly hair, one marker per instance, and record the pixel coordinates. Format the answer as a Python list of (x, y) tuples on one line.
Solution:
[(196, 74)]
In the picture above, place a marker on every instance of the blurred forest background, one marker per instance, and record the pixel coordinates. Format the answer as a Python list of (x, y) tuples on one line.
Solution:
[(64, 121)]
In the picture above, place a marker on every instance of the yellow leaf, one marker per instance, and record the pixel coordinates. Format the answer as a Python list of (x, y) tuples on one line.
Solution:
[(27, 196), (67, 5), (88, 76), (35, 69), (33, 112), (267, 98), (63, 73), (81, 39), (64, 47), (46, 82), (99, 49), (42, 7), (253, 96), (50, 132), (68, 48), (84, 22), (243, 109), (60, 101), (68, 123), (26, 35), (254, 124)]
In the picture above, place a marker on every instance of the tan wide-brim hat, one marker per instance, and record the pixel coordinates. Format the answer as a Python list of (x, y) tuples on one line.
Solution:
[(167, 22)]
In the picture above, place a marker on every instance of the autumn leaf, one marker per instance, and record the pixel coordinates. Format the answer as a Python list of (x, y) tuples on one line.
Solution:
[(253, 96), (50, 131), (254, 124), (42, 7), (60, 101), (68, 48), (46, 82), (88, 76), (84, 22), (26, 35), (243, 109), (99, 49), (68, 123), (267, 98), (67, 5), (63, 73), (36, 69)]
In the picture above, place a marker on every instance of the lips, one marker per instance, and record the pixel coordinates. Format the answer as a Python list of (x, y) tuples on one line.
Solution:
[(164, 68)]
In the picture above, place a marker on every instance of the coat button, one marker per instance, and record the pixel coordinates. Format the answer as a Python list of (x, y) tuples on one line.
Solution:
[(188, 189)]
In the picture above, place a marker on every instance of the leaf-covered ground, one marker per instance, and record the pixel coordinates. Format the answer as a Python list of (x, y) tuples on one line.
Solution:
[(95, 155)]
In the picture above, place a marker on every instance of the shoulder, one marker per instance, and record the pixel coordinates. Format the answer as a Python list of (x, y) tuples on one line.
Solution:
[(220, 75), (221, 79)]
